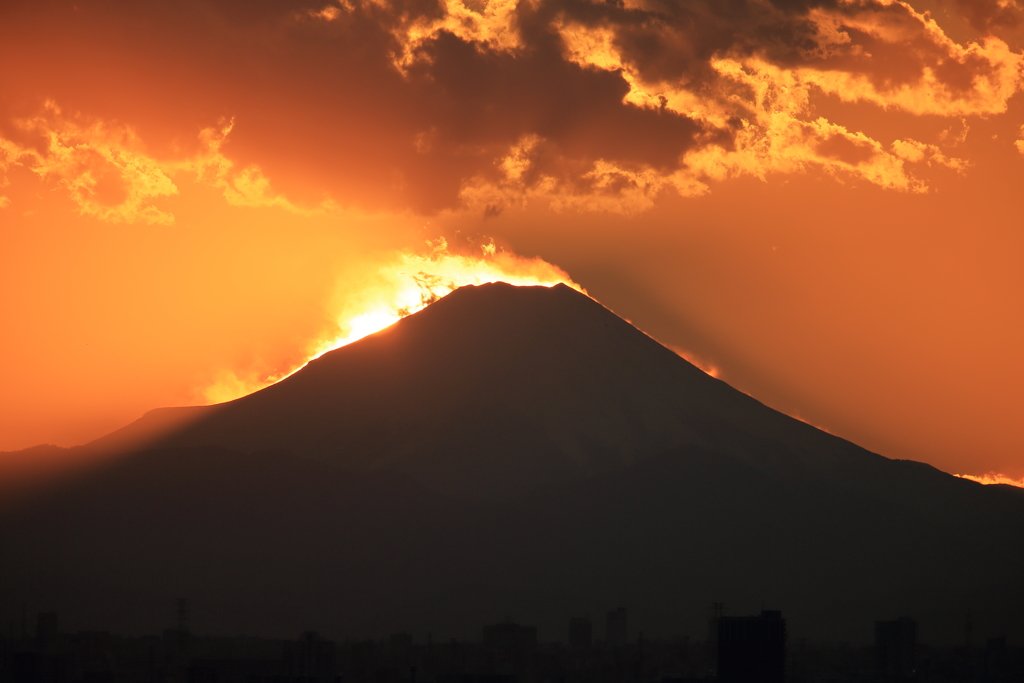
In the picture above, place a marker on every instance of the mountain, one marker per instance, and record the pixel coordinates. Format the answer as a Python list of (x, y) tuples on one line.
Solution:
[(496, 390), (508, 452)]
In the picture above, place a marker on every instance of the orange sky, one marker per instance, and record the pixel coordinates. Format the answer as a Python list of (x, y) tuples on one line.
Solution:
[(822, 200)]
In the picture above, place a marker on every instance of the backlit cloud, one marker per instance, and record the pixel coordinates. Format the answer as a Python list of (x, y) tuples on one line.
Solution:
[(245, 187), (758, 97), (100, 166), (730, 88), (490, 24), (856, 61), (401, 284), (106, 172), (993, 478), (424, 105), (484, 104)]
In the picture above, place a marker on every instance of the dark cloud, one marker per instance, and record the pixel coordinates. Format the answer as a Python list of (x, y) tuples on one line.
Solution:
[(401, 104), (1004, 19)]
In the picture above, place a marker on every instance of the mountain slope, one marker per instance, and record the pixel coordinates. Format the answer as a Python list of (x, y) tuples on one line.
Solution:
[(495, 390), (272, 544)]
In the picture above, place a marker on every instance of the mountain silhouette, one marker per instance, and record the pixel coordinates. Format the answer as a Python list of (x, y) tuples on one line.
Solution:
[(496, 390), (508, 451)]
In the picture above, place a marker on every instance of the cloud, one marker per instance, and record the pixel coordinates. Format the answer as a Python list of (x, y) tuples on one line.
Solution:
[(934, 74), (424, 104), (623, 188), (490, 24), (107, 174), (755, 91), (778, 136), (1003, 18), (735, 80), (992, 478), (920, 152), (100, 166), (245, 187)]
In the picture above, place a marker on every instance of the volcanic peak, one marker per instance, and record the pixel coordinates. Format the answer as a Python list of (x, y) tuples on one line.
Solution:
[(497, 390)]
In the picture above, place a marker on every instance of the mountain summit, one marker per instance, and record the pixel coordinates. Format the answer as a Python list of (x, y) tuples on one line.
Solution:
[(496, 390)]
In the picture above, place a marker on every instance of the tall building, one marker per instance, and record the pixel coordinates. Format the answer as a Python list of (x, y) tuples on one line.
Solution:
[(615, 627), (509, 650), (46, 627), (752, 649), (581, 635), (896, 648), (510, 636)]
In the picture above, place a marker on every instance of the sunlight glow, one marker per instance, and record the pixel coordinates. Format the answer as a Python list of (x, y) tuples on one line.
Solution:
[(403, 286), (993, 478)]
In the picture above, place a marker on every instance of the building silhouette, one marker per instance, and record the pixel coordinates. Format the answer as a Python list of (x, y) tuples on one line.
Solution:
[(615, 628), (752, 649), (896, 649), (47, 628), (509, 649), (510, 636), (581, 633)]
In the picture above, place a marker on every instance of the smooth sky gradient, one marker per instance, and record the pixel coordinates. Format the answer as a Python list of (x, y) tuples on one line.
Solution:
[(820, 201)]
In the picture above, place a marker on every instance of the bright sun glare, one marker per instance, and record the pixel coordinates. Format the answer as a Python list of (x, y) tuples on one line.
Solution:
[(404, 286)]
